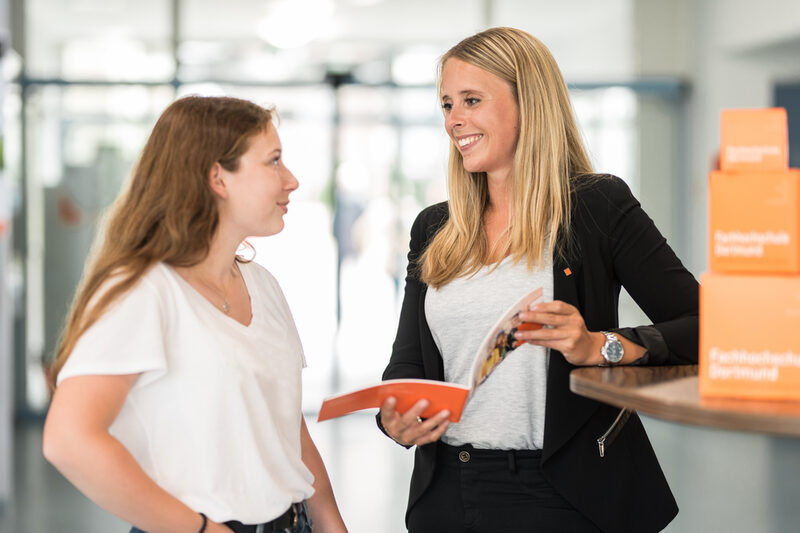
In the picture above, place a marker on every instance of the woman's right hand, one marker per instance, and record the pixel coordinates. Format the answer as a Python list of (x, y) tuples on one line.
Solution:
[(408, 428)]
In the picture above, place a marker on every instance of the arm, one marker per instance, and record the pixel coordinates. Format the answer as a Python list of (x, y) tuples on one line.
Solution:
[(77, 442), (322, 505), (636, 256), (657, 281), (406, 360), (567, 333)]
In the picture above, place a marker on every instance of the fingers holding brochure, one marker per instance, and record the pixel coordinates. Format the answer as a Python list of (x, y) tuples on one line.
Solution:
[(409, 428), (565, 331)]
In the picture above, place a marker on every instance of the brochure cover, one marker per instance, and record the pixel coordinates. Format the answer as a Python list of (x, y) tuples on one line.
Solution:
[(497, 344)]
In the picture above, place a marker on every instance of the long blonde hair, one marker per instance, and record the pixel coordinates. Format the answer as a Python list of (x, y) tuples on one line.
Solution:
[(549, 152), (168, 211)]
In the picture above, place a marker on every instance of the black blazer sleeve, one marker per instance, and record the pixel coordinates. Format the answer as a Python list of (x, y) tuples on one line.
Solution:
[(414, 352), (639, 259), (414, 339)]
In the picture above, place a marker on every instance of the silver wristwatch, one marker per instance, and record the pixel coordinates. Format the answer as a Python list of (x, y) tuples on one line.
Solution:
[(612, 350)]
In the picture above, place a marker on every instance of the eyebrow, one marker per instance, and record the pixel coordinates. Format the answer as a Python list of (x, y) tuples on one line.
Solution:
[(465, 91)]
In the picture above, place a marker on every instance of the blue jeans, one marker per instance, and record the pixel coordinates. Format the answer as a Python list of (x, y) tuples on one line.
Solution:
[(303, 524)]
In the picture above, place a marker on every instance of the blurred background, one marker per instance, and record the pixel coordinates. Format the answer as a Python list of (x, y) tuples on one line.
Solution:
[(353, 81)]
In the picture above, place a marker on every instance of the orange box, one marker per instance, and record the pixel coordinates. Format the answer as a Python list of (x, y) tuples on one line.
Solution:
[(754, 139), (754, 221), (750, 336)]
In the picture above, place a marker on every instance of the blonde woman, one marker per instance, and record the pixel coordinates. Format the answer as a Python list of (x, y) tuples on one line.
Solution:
[(178, 399), (525, 211)]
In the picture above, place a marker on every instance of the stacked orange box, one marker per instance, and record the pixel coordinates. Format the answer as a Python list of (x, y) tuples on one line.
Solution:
[(750, 300)]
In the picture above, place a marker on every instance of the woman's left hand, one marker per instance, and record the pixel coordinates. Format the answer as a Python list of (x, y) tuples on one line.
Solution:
[(564, 331)]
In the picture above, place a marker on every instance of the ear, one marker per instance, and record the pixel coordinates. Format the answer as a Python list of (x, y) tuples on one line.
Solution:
[(216, 180)]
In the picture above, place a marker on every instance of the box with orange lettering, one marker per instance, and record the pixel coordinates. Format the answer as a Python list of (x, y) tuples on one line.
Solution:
[(754, 221), (749, 336), (754, 139)]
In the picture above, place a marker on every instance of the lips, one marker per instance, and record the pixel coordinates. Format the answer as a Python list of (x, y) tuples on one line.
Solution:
[(284, 206), (468, 140)]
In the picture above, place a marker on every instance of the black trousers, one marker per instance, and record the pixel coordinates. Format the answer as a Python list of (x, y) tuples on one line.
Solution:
[(492, 491)]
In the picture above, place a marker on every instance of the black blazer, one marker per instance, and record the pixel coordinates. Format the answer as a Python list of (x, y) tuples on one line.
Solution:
[(612, 243)]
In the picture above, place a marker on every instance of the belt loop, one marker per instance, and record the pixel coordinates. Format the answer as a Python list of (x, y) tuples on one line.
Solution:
[(512, 461), (260, 528)]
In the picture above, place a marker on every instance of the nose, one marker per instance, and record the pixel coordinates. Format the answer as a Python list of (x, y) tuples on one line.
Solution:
[(290, 183), (454, 119)]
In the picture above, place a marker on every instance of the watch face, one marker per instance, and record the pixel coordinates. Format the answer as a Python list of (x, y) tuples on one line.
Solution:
[(612, 351)]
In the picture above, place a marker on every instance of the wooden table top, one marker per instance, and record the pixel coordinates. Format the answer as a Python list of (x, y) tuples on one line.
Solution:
[(671, 393)]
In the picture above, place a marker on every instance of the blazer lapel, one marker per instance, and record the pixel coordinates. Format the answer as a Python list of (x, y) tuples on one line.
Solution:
[(565, 411)]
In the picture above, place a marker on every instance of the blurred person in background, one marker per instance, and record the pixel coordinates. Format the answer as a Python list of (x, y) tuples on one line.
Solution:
[(178, 397), (526, 210)]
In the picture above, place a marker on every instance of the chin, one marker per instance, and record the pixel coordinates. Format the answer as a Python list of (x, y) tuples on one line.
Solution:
[(472, 166), (277, 228), (473, 169)]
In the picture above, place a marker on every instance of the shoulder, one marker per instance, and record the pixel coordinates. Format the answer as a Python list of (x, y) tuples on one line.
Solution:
[(262, 284), (601, 198), (435, 213), (259, 274), (256, 270), (150, 288), (600, 189), (430, 220)]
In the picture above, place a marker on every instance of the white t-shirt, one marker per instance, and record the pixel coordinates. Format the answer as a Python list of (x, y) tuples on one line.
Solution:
[(506, 412), (214, 419)]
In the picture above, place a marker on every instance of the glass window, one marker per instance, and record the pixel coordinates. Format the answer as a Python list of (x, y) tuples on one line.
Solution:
[(254, 41), (81, 145), (368, 157), (607, 119), (99, 40)]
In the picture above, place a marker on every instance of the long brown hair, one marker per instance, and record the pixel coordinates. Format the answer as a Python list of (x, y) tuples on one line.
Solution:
[(168, 211), (549, 152)]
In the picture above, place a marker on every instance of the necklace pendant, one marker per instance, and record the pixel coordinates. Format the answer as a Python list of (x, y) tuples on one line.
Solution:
[(226, 308)]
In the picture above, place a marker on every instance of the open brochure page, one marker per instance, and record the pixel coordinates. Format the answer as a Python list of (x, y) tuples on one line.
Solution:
[(498, 343)]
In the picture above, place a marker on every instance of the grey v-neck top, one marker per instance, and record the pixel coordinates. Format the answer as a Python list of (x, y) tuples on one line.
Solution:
[(507, 410)]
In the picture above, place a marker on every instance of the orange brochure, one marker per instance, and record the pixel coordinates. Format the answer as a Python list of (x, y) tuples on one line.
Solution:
[(440, 394), (754, 221), (750, 336), (497, 344), (754, 139)]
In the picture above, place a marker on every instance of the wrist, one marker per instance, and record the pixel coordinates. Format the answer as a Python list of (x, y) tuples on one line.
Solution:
[(612, 350), (598, 341)]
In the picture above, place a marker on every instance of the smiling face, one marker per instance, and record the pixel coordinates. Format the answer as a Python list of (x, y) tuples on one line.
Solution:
[(481, 117), (257, 192)]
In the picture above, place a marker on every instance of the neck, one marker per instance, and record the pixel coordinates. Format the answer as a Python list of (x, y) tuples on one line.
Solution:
[(217, 268), (499, 193)]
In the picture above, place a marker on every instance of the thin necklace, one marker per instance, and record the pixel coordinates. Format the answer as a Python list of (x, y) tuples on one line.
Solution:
[(226, 307)]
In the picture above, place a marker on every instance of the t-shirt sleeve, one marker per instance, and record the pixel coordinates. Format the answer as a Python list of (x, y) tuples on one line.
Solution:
[(127, 339)]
